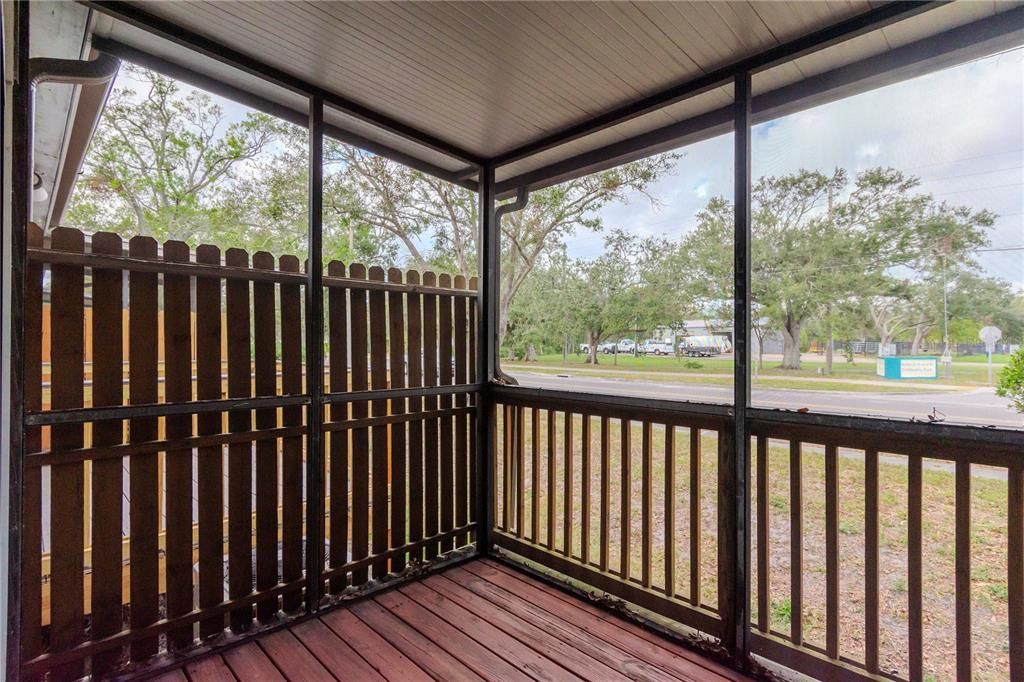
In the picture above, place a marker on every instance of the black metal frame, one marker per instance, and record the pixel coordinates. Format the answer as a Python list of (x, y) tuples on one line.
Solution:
[(737, 117)]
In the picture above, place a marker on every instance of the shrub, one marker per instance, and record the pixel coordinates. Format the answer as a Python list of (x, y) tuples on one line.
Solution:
[(1011, 381)]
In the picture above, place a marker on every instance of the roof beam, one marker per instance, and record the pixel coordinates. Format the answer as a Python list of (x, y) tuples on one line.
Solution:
[(140, 18), (868, 21), (971, 41), (276, 109)]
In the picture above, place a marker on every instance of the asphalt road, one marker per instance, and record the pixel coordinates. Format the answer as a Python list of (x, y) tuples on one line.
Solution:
[(979, 407)]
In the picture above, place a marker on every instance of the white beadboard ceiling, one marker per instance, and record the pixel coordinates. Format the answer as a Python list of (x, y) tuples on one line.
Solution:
[(489, 77)]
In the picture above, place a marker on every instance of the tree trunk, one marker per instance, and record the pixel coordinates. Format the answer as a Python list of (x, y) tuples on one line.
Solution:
[(791, 344), (828, 353), (919, 333), (592, 341)]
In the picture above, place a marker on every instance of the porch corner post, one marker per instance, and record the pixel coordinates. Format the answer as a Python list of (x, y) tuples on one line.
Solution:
[(314, 358), (487, 354), (13, 249), (737, 478)]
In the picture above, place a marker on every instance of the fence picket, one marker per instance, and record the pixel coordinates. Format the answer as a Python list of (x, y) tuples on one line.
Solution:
[(338, 454), (461, 421), (430, 427), (397, 357), (239, 454), (144, 480), (178, 388), (379, 434), (265, 380), (361, 436), (414, 327), (292, 470), (447, 434), (209, 386), (67, 498), (107, 485)]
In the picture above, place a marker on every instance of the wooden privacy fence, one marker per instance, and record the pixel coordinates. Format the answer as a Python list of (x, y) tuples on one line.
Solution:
[(172, 488), (627, 496)]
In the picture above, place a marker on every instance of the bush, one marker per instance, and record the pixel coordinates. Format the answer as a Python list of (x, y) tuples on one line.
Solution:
[(1011, 381)]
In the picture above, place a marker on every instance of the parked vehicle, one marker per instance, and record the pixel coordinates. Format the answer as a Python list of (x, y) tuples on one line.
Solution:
[(656, 347), (704, 346), (585, 348), (608, 347), (626, 346)]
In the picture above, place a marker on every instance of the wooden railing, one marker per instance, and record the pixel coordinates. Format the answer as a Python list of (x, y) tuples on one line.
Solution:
[(624, 496), (178, 509)]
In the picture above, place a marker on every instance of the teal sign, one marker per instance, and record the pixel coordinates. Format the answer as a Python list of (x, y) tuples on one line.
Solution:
[(913, 367)]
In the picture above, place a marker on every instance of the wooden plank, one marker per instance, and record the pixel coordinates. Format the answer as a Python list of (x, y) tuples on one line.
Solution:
[(552, 420), (209, 669), (480, 629), (210, 486), (379, 434), (239, 454), (296, 661), (626, 496), (796, 541), (178, 388), (605, 483), (831, 551), (646, 504), (332, 652), (397, 357), (292, 469), (177, 675), (696, 517), (265, 371), (32, 496), (573, 627), (963, 569), (67, 481), (430, 428), (763, 569), (1015, 569), (535, 475), (914, 568), (338, 452), (107, 485), (871, 528), (388, 661), (585, 483), (249, 663), (447, 435), (669, 548), (479, 658), (414, 645), (593, 611), (462, 454), (414, 370), (144, 482), (567, 481), (524, 630), (360, 437)]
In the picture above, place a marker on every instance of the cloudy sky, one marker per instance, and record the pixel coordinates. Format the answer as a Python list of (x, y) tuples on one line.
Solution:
[(961, 131)]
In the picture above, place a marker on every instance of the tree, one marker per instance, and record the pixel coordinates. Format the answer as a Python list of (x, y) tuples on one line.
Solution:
[(161, 161), (1011, 381)]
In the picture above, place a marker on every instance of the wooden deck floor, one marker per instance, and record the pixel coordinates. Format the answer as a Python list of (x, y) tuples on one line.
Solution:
[(479, 621)]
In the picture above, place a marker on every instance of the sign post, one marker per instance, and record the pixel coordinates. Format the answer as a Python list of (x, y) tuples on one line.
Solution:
[(990, 335)]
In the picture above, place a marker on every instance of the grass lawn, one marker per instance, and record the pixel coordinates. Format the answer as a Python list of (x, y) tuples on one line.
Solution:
[(966, 372), (988, 541)]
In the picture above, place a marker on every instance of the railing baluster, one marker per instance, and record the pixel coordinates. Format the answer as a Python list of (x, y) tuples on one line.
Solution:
[(520, 468), (871, 560), (585, 488), (963, 568), (914, 597), (670, 511), (646, 495), (832, 551), (567, 487), (696, 527), (605, 493), (535, 474), (1015, 568), (507, 430), (763, 569), (552, 419), (796, 542), (626, 495)]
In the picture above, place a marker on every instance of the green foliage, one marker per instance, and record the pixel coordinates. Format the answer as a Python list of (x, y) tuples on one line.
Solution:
[(1011, 381)]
